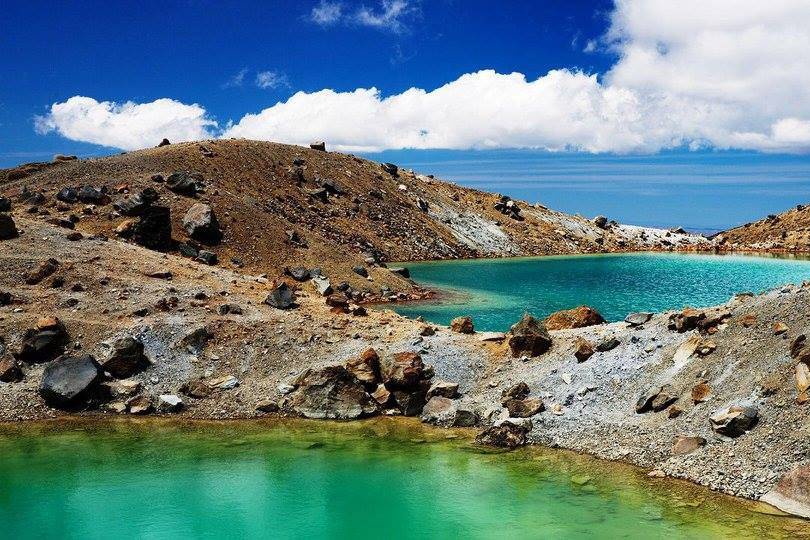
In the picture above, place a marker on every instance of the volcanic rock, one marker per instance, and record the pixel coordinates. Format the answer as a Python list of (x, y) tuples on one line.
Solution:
[(656, 400), (154, 229), (281, 297), (792, 493), (201, 224), (443, 389), (126, 358), (8, 229), (505, 435), (332, 392), (734, 421), (462, 325), (366, 368), (638, 318), (529, 337), (43, 270), (43, 343), (686, 445), (169, 403), (583, 349), (183, 183), (10, 370), (524, 408), (578, 317), (402, 370), (517, 391), (70, 381)]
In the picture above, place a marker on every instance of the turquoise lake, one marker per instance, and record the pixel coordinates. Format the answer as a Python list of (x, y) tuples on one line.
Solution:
[(379, 479), (496, 292)]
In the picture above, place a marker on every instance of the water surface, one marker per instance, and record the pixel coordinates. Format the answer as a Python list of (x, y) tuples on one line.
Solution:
[(383, 478), (496, 292)]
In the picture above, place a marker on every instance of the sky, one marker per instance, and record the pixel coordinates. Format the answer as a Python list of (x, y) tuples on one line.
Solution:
[(693, 113)]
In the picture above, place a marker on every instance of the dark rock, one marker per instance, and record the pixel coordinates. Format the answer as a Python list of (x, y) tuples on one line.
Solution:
[(281, 297), (656, 400), (187, 250), (529, 337), (164, 142), (319, 145), (201, 224), (6, 298), (338, 301), (267, 406), (136, 204), (5, 204), (390, 168), (462, 325), (67, 195), (126, 358), (10, 370), (410, 403), (298, 273), (8, 229), (578, 317), (154, 229), (734, 421), (583, 349), (608, 345), (600, 221), (505, 435), (638, 318), (360, 271), (332, 392), (70, 381), (331, 187), (140, 405), (184, 183), (91, 195), (229, 309), (43, 343), (207, 257), (157, 178)]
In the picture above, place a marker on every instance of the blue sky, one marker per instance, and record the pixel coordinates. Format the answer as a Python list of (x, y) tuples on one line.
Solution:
[(634, 109)]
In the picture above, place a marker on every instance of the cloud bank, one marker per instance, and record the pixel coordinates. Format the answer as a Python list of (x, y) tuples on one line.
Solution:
[(709, 73)]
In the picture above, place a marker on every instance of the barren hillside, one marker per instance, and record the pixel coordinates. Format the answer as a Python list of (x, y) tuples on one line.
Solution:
[(287, 206), (788, 231)]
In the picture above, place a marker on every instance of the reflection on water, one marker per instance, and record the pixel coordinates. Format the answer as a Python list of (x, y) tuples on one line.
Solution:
[(382, 478)]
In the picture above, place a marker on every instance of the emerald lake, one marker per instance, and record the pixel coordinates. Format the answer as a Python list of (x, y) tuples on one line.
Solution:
[(496, 292), (381, 478)]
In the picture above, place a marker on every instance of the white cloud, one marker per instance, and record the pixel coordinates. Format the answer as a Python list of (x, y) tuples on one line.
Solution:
[(390, 15), (327, 13), (271, 79), (127, 125), (237, 80), (695, 73)]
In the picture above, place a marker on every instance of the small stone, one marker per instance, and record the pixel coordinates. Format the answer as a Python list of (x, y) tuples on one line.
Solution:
[(462, 325)]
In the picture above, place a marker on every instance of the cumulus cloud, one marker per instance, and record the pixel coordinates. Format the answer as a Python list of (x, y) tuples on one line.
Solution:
[(237, 79), (694, 73), (127, 125), (389, 15)]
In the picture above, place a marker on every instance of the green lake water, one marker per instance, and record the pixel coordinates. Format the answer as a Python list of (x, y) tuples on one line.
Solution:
[(382, 478), (496, 292)]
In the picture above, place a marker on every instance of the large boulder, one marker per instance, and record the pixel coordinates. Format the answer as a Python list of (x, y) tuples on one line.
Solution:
[(44, 342), (8, 229), (184, 183), (5, 204), (366, 368), (735, 420), (201, 224), (792, 493), (125, 358), (153, 230), (516, 391), (332, 392), (403, 371), (410, 402), (443, 389), (446, 412), (70, 381), (579, 317), (136, 204), (529, 337), (462, 325)]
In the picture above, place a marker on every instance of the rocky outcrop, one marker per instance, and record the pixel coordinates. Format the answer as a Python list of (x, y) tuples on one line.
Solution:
[(579, 317), (44, 342), (281, 297), (529, 337), (332, 392), (70, 381), (366, 368)]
